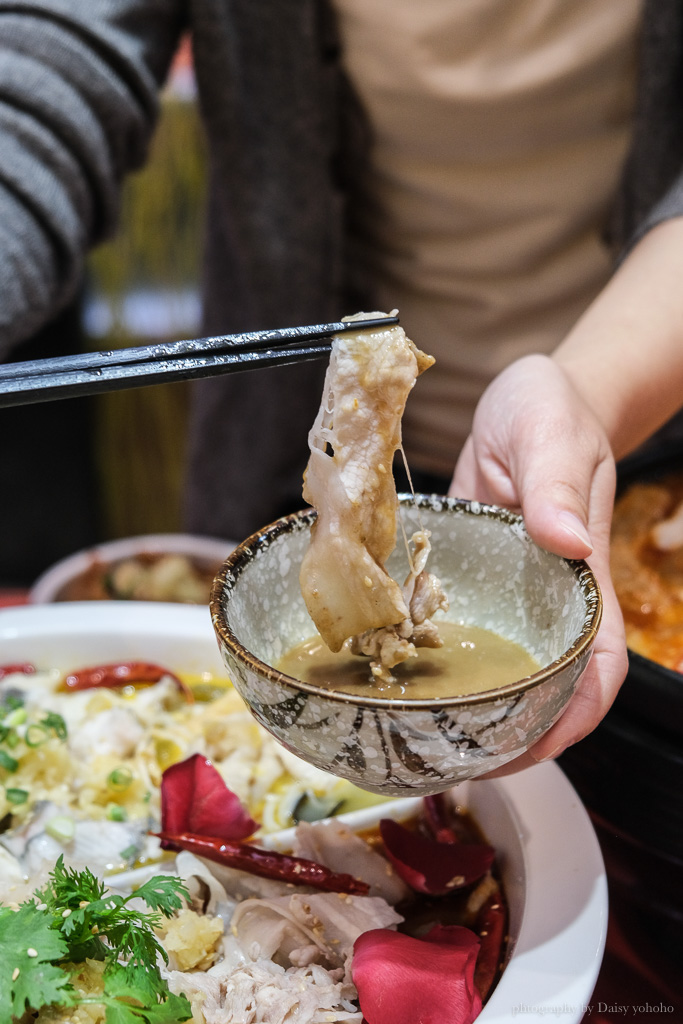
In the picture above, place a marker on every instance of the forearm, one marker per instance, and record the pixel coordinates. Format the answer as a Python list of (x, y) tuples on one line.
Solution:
[(625, 355)]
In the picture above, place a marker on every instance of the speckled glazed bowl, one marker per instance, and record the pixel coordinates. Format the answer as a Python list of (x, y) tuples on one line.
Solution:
[(495, 577)]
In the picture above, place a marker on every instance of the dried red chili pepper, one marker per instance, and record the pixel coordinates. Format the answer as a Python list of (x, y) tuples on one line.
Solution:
[(491, 927), (438, 818), (265, 863), (24, 668), (126, 673)]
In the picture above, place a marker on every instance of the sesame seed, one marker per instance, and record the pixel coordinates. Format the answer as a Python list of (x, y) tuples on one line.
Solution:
[(31, 951), (66, 913), (15, 974)]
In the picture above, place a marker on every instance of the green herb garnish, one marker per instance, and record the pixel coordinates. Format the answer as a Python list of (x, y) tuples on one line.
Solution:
[(16, 796), (35, 735), (120, 778), (75, 918), (9, 763), (31, 951), (56, 723)]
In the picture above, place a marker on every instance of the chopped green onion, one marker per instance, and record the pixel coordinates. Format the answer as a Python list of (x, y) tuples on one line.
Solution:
[(35, 735), (61, 828), (10, 764), (129, 852), (117, 813), (12, 738), (55, 722), (10, 702), (312, 807), (17, 796), (120, 778), (16, 717)]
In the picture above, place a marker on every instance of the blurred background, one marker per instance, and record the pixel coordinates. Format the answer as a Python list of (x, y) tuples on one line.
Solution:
[(81, 471)]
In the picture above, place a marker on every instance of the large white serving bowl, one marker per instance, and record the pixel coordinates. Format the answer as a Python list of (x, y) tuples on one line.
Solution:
[(552, 869)]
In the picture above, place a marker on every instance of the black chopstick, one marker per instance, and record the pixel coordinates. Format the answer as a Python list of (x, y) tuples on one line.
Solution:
[(93, 381), (251, 341), (43, 380)]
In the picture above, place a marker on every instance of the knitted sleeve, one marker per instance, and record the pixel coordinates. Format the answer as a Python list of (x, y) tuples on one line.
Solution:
[(78, 102)]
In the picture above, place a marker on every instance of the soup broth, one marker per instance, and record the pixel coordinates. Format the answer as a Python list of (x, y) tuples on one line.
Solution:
[(471, 660)]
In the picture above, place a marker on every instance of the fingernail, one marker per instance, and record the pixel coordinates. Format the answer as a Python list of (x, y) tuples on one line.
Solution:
[(573, 525), (552, 755)]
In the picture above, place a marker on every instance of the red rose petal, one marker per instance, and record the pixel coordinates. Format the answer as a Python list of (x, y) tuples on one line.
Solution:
[(194, 798), (436, 813), (431, 867), (402, 980)]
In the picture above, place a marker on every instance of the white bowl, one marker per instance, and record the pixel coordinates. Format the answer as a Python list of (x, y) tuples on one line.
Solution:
[(550, 860), (49, 584)]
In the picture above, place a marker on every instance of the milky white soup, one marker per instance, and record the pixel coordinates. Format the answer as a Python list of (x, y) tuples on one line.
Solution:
[(471, 660)]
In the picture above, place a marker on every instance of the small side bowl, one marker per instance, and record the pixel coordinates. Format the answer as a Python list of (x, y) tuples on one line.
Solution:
[(55, 582), (495, 577)]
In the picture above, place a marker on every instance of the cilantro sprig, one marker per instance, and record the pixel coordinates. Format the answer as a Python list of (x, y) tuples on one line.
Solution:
[(74, 918), (31, 950)]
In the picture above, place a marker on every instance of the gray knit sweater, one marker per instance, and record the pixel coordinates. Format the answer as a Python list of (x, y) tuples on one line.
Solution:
[(78, 87)]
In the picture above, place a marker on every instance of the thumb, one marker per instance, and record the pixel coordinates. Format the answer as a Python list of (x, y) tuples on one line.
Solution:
[(566, 493)]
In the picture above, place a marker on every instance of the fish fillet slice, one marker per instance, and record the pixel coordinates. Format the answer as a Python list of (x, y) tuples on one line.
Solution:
[(349, 481)]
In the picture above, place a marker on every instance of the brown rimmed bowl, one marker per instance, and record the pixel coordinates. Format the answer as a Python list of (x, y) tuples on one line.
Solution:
[(495, 577)]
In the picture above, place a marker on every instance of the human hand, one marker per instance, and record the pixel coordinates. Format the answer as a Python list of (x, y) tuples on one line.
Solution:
[(537, 447)]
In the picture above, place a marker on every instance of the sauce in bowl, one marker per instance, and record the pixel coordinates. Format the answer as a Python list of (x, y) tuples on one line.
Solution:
[(472, 660)]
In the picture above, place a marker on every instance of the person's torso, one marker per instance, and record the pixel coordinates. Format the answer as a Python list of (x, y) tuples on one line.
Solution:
[(500, 129)]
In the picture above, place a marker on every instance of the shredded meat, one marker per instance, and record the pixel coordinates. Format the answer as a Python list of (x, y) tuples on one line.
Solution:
[(262, 992)]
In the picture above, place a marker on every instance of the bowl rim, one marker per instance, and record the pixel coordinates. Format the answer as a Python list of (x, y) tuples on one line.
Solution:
[(245, 552)]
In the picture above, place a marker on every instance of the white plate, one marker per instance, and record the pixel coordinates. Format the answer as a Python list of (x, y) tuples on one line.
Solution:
[(49, 583), (552, 869)]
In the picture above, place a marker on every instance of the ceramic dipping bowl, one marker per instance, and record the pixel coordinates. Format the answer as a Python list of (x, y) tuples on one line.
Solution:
[(495, 577)]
